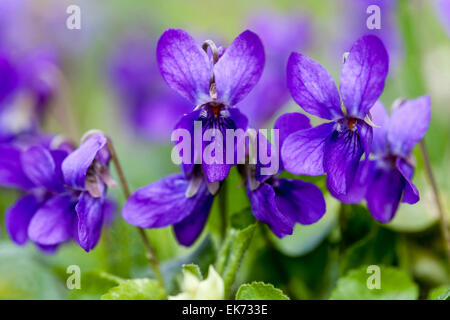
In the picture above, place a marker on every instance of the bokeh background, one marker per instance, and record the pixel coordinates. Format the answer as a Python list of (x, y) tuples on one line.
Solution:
[(108, 79)]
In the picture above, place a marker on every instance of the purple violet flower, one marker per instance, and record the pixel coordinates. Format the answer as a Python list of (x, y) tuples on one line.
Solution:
[(174, 200), (386, 180), (50, 213), (213, 83), (279, 202), (86, 171), (336, 147)]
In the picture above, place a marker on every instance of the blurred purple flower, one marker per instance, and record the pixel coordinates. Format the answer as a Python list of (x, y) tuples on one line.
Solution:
[(353, 24), (279, 202), (281, 34), (335, 148), (443, 12), (213, 86), (148, 104), (385, 181), (50, 212), (28, 84), (174, 200)]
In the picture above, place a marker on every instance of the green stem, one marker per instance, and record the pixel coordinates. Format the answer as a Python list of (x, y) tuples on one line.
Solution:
[(416, 87), (223, 209), (231, 254), (150, 251)]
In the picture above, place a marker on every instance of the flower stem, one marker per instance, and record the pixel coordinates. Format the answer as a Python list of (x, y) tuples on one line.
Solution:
[(150, 251), (437, 198), (416, 86), (223, 209)]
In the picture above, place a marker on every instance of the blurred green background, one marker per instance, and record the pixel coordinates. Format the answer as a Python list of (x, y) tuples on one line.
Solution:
[(306, 265)]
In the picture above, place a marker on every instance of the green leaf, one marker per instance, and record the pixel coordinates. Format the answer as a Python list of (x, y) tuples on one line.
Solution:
[(260, 291), (440, 293), (395, 284), (136, 289), (232, 252), (94, 284), (194, 269), (444, 296)]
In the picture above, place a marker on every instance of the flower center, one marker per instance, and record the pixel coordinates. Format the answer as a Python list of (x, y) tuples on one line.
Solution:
[(351, 123), (215, 108)]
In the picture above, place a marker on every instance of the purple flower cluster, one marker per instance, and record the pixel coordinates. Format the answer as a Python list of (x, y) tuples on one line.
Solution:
[(364, 153), (64, 191), (215, 80)]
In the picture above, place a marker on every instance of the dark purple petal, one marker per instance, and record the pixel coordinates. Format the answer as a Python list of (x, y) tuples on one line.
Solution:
[(312, 87), (187, 123), (11, 172), (289, 123), (411, 194), (365, 133), (240, 68), (239, 119), (264, 208), (286, 124), (343, 151), (299, 201), (217, 169), (90, 220), (408, 125), (216, 172), (39, 166), (303, 151), (18, 216), (380, 118), (363, 75), (384, 193), (357, 192), (264, 171), (190, 228), (47, 249), (76, 165), (184, 65), (164, 203), (53, 222)]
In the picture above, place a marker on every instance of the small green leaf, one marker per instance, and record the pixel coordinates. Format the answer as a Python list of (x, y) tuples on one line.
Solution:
[(93, 284), (395, 284), (194, 269), (444, 296), (260, 291), (440, 293), (232, 252), (136, 289)]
